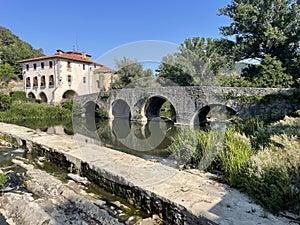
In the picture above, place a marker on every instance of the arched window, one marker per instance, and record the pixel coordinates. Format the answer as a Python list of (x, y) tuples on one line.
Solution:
[(28, 85), (35, 82), (51, 81), (43, 82)]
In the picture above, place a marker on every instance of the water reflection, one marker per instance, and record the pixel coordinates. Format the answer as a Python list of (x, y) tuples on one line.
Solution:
[(146, 140)]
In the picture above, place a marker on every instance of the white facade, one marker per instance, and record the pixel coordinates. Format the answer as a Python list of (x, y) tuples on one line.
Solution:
[(60, 76)]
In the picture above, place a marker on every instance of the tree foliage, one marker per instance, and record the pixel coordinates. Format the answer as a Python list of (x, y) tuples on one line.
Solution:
[(269, 73), (129, 70), (6, 74), (266, 28), (13, 49), (197, 61)]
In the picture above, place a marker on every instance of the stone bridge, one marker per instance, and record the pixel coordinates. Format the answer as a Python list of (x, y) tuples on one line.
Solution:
[(192, 104)]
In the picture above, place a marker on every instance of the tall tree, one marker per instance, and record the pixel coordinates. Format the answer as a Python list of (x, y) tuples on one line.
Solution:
[(197, 61), (265, 27)]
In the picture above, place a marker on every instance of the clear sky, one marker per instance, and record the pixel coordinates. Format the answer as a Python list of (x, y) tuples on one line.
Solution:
[(96, 26)]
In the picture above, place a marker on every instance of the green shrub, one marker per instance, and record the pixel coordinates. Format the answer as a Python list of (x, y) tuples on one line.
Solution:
[(235, 156), (101, 113), (270, 174), (5, 102), (75, 107), (28, 110), (3, 179), (18, 95), (197, 148)]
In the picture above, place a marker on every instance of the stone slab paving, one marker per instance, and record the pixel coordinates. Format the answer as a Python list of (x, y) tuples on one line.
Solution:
[(202, 197)]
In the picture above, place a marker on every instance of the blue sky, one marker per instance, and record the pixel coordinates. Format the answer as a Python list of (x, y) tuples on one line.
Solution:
[(96, 26)]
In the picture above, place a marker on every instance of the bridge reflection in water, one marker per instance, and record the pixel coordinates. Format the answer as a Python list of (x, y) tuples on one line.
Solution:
[(148, 140)]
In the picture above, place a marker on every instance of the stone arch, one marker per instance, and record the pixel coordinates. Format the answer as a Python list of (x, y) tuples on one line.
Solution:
[(200, 118), (69, 94), (120, 109), (153, 105), (91, 108), (43, 97), (31, 95)]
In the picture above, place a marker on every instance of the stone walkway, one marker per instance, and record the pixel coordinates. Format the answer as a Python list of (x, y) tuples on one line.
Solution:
[(205, 200)]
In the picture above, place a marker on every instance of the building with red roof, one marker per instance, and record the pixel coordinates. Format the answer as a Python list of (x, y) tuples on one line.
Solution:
[(62, 75)]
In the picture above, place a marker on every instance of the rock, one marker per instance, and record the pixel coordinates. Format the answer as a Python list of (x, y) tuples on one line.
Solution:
[(64, 204), (42, 159), (21, 209), (78, 179), (99, 202), (22, 164)]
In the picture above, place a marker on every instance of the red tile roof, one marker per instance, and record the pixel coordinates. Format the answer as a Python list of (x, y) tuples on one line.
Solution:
[(103, 69), (70, 55)]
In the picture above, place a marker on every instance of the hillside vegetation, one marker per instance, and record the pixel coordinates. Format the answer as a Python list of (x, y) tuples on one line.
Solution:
[(13, 49)]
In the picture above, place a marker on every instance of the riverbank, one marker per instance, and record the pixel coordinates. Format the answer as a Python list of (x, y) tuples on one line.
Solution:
[(179, 197), (52, 202)]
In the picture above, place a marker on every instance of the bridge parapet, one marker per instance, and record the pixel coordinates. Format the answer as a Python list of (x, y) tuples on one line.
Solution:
[(144, 103)]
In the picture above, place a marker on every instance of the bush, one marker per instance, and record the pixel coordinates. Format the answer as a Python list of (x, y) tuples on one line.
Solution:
[(74, 107), (101, 113), (235, 157), (270, 174), (197, 148), (3, 179), (5, 102), (18, 95), (28, 110)]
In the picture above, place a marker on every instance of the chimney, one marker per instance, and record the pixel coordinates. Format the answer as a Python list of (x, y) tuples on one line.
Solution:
[(59, 52), (83, 54)]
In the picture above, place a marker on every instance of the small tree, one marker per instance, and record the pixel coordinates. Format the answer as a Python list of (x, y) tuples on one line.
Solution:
[(128, 70)]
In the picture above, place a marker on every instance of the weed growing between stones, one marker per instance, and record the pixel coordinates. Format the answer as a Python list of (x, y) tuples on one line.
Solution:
[(3, 179)]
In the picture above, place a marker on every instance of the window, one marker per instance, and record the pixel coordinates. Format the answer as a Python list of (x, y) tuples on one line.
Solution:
[(35, 82), (69, 65), (43, 81), (27, 67), (42, 65), (50, 64), (51, 81), (69, 79), (34, 66), (28, 82), (83, 66), (84, 80)]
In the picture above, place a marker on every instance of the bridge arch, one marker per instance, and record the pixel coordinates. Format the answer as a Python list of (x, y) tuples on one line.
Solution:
[(120, 109), (153, 105), (91, 109), (69, 94), (218, 112), (43, 97)]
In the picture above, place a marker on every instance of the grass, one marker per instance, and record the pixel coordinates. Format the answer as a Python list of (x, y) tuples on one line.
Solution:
[(27, 110), (265, 163)]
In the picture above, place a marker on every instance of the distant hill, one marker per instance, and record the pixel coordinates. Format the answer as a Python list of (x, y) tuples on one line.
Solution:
[(12, 49)]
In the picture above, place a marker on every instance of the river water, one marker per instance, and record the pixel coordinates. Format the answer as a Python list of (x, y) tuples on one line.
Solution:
[(148, 140)]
